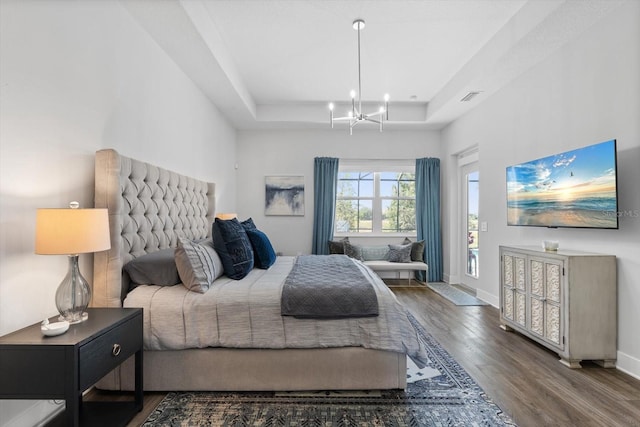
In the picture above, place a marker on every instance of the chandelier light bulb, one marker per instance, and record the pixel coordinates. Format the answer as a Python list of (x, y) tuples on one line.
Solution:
[(386, 97), (350, 114), (382, 109), (331, 106), (353, 94), (358, 24)]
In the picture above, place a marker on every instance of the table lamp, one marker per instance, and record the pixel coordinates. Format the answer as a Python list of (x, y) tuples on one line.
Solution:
[(226, 216), (71, 232)]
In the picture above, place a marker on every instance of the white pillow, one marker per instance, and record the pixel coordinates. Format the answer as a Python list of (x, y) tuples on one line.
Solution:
[(198, 264)]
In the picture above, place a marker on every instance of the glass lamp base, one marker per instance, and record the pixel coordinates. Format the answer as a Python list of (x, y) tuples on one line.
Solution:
[(73, 294), (73, 319)]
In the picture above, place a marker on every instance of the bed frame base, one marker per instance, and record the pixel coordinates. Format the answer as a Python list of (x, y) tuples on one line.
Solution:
[(349, 368)]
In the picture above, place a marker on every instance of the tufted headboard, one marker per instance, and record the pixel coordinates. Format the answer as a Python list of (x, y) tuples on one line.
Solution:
[(149, 207)]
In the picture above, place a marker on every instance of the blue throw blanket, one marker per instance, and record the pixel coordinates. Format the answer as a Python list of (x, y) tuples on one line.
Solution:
[(327, 287)]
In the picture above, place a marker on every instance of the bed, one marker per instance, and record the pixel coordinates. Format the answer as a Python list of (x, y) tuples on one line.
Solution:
[(149, 209)]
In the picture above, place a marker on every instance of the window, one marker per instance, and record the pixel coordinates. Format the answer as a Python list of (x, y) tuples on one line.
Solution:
[(376, 201)]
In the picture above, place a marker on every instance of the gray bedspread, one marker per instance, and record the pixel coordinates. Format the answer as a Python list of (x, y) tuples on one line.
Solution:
[(246, 314), (327, 287)]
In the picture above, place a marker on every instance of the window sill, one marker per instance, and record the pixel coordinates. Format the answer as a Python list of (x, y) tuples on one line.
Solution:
[(374, 235)]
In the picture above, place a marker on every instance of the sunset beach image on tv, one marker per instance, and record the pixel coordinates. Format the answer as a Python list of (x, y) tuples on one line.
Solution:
[(572, 189)]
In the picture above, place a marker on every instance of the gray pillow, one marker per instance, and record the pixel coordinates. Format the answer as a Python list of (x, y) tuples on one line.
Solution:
[(353, 251), (155, 268), (198, 264), (417, 249), (336, 247), (400, 253), (375, 253)]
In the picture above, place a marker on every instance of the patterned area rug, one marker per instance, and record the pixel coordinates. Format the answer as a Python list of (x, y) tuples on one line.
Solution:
[(455, 295), (441, 394)]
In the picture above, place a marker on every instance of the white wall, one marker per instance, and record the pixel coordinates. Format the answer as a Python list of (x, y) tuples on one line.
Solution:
[(76, 77), (263, 153), (587, 92)]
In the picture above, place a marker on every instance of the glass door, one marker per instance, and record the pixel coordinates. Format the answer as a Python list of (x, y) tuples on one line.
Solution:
[(470, 211)]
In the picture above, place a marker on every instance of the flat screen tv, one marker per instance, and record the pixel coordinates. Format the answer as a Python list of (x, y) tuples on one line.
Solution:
[(576, 189)]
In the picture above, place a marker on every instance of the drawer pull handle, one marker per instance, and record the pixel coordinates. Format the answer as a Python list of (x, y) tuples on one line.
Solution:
[(116, 349)]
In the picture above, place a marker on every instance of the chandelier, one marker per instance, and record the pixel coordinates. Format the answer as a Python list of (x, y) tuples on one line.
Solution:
[(356, 115)]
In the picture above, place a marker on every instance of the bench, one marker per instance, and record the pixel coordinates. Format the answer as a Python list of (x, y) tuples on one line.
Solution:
[(377, 258), (388, 266)]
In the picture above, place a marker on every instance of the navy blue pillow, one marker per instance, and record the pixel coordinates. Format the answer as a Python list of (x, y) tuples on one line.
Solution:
[(263, 251), (248, 224), (233, 246)]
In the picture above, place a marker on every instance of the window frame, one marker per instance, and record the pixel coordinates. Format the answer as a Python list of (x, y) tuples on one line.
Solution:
[(375, 167)]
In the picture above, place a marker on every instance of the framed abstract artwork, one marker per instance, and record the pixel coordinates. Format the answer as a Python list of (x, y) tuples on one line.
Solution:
[(284, 195)]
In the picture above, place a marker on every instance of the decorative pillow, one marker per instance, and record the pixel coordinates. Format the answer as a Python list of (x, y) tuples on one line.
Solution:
[(155, 268), (233, 246), (400, 253), (198, 264), (336, 247), (375, 253), (264, 255), (417, 249), (353, 251), (248, 224)]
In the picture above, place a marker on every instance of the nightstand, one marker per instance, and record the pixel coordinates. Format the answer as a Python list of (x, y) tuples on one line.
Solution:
[(33, 366)]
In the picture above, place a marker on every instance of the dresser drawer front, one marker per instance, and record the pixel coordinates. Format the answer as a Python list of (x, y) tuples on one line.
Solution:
[(101, 355)]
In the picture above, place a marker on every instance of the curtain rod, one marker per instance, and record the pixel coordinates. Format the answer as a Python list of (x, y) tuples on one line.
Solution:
[(377, 160)]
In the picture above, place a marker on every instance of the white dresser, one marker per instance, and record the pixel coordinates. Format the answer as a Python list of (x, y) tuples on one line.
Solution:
[(565, 300)]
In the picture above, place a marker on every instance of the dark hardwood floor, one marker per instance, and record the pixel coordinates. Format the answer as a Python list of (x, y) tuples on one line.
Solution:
[(523, 378)]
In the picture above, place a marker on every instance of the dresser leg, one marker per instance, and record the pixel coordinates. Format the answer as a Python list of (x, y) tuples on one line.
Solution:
[(506, 328), (571, 363), (606, 363)]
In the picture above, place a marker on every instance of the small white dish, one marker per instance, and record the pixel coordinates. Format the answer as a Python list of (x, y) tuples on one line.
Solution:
[(53, 329), (550, 245)]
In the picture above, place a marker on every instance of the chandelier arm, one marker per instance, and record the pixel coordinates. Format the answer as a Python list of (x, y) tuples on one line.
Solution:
[(353, 123), (377, 113)]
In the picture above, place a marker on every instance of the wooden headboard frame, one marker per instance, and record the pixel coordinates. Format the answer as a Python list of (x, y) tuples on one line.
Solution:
[(149, 207)]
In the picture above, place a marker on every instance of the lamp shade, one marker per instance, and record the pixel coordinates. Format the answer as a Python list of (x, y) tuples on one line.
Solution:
[(71, 231), (226, 216)]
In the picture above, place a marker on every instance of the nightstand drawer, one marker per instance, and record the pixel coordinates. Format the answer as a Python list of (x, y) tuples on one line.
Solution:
[(102, 354)]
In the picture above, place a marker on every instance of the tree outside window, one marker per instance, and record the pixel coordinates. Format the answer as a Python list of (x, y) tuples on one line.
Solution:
[(375, 202)]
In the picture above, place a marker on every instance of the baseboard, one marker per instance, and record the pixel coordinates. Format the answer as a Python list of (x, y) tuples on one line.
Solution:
[(487, 297), (467, 289), (484, 296), (628, 364), (450, 279)]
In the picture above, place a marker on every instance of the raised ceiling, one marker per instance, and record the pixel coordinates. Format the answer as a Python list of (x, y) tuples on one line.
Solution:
[(277, 64)]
